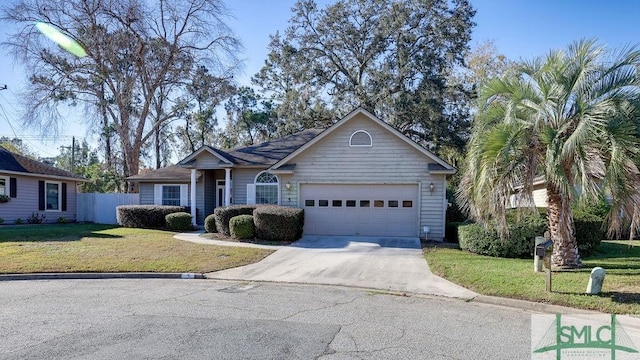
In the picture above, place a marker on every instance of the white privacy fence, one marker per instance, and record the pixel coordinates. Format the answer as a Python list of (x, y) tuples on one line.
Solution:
[(101, 208)]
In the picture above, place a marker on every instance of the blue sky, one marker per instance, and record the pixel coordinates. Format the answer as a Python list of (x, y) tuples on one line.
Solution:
[(519, 29)]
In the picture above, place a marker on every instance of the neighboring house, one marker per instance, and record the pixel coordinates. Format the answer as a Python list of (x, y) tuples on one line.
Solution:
[(358, 177), (539, 195), (35, 187)]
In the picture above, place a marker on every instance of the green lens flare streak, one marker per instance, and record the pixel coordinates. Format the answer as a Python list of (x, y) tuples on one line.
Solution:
[(61, 39)]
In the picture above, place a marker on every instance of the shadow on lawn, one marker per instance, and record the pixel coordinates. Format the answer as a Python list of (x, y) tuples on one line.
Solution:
[(54, 232), (622, 297)]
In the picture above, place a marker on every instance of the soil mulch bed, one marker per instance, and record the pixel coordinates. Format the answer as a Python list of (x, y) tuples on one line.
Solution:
[(223, 237)]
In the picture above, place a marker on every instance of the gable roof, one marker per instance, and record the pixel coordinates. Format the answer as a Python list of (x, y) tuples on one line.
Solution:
[(442, 168), (270, 152), (169, 173), (21, 165), (264, 154), (221, 155)]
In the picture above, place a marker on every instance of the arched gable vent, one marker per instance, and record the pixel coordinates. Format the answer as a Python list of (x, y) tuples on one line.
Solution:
[(360, 138)]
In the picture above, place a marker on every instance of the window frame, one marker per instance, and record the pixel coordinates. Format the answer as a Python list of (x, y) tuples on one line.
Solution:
[(259, 184), (46, 195), (158, 193), (360, 145), (163, 199), (7, 185)]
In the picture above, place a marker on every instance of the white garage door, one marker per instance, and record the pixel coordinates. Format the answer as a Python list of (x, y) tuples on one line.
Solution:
[(367, 210)]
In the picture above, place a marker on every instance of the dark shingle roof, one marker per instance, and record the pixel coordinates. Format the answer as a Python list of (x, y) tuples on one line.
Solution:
[(270, 152), (172, 173), (21, 164)]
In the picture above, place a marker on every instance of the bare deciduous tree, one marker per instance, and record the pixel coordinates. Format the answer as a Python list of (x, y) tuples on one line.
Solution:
[(138, 55)]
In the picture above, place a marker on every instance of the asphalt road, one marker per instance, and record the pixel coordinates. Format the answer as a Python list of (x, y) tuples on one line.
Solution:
[(208, 319)]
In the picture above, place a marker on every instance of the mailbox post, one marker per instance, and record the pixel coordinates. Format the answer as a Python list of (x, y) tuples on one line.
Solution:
[(544, 251)]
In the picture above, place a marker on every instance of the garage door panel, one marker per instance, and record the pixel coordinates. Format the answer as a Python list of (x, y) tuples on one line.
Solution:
[(376, 219)]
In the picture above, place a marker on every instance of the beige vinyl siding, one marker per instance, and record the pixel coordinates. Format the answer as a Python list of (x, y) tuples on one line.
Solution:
[(200, 187), (242, 177), (209, 177), (146, 193), (540, 197), (26, 201), (289, 197), (390, 160), (206, 160)]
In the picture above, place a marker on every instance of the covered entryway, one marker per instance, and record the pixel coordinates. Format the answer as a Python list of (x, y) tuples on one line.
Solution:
[(360, 209)]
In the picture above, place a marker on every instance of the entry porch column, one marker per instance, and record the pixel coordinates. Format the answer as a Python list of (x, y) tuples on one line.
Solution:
[(227, 186), (193, 196)]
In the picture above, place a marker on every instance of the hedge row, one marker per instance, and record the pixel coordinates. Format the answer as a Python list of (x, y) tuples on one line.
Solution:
[(146, 216), (224, 214), (522, 233), (477, 239), (278, 223), (271, 222), (242, 227)]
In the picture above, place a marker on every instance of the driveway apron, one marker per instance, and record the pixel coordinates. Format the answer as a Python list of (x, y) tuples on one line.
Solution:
[(385, 263)]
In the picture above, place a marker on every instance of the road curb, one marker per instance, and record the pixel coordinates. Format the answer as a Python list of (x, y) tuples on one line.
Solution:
[(530, 305), (94, 276)]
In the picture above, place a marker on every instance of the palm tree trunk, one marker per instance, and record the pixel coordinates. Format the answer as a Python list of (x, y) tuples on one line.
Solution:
[(565, 247)]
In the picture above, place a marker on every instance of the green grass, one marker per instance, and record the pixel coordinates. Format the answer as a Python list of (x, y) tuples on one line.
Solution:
[(103, 248), (514, 278)]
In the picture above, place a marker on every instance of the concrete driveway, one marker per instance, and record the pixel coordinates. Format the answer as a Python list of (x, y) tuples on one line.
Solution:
[(393, 264)]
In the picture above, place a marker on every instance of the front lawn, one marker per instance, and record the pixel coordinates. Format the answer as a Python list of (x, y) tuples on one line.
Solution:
[(104, 248), (514, 278)]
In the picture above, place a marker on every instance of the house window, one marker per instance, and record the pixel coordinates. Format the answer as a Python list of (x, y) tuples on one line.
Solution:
[(360, 138), (4, 186), (171, 195), (267, 188), (53, 196)]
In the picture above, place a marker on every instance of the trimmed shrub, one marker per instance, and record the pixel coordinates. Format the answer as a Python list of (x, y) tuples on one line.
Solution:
[(242, 227), (179, 221), (224, 213), (589, 232), (210, 224), (475, 238), (146, 216), (278, 223)]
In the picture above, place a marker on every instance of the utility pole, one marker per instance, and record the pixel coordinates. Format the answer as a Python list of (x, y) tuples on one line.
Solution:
[(73, 154)]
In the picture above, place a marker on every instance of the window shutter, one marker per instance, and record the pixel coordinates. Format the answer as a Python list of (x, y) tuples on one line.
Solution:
[(157, 194), (13, 190), (41, 198), (64, 196), (251, 194), (184, 195)]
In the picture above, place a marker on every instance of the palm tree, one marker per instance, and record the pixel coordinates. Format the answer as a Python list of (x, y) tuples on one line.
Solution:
[(572, 117)]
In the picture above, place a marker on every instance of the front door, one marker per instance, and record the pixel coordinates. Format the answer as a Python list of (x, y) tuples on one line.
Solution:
[(220, 193)]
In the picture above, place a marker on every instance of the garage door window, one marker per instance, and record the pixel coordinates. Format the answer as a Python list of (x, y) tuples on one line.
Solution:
[(266, 188)]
